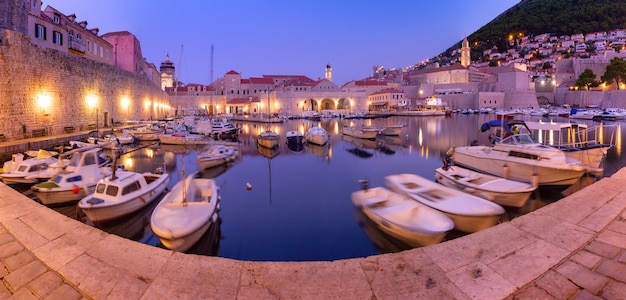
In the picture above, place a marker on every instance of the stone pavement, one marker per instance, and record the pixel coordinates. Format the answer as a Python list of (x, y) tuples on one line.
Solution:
[(574, 248)]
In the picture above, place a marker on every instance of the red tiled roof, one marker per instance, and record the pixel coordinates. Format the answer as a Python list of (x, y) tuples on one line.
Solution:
[(257, 80)]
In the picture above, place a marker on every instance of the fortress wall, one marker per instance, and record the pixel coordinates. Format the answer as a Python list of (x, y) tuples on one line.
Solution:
[(43, 88)]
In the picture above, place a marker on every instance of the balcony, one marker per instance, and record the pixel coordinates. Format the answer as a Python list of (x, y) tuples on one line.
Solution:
[(77, 47)]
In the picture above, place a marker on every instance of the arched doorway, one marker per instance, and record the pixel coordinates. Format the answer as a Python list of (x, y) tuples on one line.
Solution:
[(327, 104), (343, 103), (309, 105)]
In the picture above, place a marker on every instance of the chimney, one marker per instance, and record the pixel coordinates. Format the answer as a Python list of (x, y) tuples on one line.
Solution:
[(95, 31), (71, 17)]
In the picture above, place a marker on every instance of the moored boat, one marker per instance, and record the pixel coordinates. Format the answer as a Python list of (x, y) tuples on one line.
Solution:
[(362, 132), (181, 138), (185, 214), (502, 191), (268, 139), (317, 135), (122, 193), (294, 137), (216, 155), (20, 170), (409, 221), (75, 181), (392, 129), (469, 213), (520, 157)]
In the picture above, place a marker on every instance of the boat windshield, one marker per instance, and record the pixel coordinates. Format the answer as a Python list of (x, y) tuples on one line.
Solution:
[(519, 139)]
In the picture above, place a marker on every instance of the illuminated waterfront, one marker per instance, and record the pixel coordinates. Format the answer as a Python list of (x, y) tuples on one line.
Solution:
[(299, 206)]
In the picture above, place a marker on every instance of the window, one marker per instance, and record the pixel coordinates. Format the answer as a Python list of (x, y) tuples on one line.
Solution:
[(40, 31), (135, 186), (56, 19), (79, 39), (112, 190), (70, 36), (57, 38), (34, 3)]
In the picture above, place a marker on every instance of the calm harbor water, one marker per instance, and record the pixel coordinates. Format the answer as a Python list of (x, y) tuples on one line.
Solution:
[(299, 207)]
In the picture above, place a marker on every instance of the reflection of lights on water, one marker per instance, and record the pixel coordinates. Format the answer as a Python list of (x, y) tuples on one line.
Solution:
[(419, 136), (618, 140), (150, 152), (128, 163), (336, 128)]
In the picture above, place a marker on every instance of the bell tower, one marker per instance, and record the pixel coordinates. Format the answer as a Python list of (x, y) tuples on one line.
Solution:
[(329, 72), (167, 72), (465, 53)]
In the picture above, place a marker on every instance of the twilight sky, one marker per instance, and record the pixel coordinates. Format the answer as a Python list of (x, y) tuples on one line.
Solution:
[(287, 37)]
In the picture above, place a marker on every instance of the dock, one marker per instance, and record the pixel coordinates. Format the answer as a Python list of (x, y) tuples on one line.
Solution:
[(574, 248)]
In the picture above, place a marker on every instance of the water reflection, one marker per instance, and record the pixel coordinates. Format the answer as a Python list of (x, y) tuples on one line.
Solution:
[(299, 207)]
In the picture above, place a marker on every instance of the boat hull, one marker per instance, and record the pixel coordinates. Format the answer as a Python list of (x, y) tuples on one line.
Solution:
[(55, 196), (482, 159), (268, 142), (362, 133)]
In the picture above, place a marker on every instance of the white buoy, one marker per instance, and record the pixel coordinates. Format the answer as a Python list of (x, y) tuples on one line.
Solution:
[(248, 186)]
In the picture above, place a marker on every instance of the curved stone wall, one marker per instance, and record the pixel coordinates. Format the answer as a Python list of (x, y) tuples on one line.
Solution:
[(556, 252)]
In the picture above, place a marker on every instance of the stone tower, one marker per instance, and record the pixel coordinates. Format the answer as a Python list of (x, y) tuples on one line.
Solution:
[(465, 53), (167, 73), (329, 72)]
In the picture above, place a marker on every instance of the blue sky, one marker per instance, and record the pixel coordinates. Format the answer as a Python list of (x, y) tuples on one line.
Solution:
[(288, 37)]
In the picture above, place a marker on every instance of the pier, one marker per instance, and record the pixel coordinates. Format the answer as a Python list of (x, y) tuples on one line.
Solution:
[(573, 248)]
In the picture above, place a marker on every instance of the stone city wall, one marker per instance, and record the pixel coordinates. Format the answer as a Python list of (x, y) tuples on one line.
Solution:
[(46, 89)]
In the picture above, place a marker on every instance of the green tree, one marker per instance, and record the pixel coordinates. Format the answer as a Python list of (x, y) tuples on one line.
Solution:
[(615, 70), (587, 79)]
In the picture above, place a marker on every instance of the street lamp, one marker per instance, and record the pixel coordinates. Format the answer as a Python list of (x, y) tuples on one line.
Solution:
[(92, 102)]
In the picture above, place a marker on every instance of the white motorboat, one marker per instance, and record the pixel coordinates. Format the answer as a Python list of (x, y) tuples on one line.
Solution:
[(502, 191), (575, 139), (294, 137), (223, 126), (317, 135), (392, 129), (362, 132), (268, 139), (186, 212), (75, 181), (216, 155), (181, 138), (20, 170), (469, 213), (519, 157), (399, 216), (146, 133), (122, 193)]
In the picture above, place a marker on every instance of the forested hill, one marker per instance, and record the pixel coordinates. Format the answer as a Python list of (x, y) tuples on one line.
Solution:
[(557, 17)]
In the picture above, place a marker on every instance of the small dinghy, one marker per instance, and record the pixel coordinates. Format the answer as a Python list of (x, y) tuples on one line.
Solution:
[(399, 216), (469, 213)]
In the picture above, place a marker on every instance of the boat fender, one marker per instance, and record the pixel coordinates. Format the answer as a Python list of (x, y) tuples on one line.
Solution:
[(505, 172), (534, 180), (469, 190), (248, 186), (75, 189)]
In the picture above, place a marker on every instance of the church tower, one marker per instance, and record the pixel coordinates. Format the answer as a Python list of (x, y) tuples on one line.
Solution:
[(329, 72), (465, 53), (167, 73)]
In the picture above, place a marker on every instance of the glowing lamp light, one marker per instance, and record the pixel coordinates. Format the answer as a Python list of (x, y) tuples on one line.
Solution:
[(147, 103), (125, 102), (92, 101), (44, 101)]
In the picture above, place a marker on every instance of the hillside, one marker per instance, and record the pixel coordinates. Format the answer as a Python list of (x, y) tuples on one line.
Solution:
[(558, 17)]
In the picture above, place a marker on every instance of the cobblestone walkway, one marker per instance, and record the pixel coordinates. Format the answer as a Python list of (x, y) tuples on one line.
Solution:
[(24, 277)]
